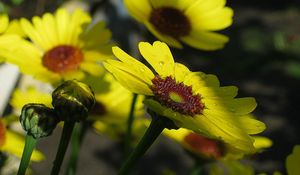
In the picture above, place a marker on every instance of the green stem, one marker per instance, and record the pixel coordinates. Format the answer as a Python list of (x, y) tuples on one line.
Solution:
[(129, 126), (63, 145), (30, 144), (76, 140), (156, 127)]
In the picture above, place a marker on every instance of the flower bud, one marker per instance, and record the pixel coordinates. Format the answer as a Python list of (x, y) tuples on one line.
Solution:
[(38, 120), (72, 100)]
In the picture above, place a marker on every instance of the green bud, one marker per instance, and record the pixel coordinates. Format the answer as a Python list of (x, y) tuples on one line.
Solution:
[(72, 100), (38, 120)]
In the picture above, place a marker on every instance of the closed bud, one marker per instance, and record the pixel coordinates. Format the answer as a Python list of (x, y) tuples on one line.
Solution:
[(72, 100), (38, 120)]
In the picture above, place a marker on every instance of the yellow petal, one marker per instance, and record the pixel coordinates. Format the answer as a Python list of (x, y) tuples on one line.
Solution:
[(181, 71), (237, 106), (199, 80), (159, 57), (217, 92), (262, 142), (14, 144), (139, 9), (14, 27), (62, 20), (204, 6), (133, 66), (162, 37), (42, 32), (251, 125), (128, 80), (178, 4), (205, 40), (3, 23), (213, 21)]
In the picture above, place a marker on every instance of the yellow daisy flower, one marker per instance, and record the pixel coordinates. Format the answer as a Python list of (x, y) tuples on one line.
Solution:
[(64, 46), (193, 100), (210, 148), (13, 143), (111, 110), (190, 21)]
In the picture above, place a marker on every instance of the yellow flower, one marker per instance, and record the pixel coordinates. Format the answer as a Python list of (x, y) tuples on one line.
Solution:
[(193, 100), (190, 21), (112, 107), (64, 46), (13, 143), (210, 148)]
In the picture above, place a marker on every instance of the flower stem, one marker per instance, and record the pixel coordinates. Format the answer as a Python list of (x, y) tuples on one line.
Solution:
[(30, 144), (63, 145), (157, 125), (76, 140), (129, 126)]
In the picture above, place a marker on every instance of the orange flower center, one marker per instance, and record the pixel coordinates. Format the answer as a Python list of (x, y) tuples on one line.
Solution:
[(62, 59), (2, 133), (176, 96), (204, 146), (170, 21)]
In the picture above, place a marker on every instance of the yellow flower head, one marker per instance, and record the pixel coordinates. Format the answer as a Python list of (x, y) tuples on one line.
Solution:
[(208, 148), (189, 21), (64, 46), (193, 100), (13, 143)]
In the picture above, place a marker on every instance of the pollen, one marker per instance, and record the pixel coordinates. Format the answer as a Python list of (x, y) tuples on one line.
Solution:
[(63, 58), (176, 96), (170, 21)]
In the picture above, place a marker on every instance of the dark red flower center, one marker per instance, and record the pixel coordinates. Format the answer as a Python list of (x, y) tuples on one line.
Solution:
[(204, 146), (170, 21), (176, 96), (62, 59)]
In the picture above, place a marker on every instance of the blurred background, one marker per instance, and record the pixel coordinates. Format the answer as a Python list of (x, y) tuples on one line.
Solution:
[(262, 59)]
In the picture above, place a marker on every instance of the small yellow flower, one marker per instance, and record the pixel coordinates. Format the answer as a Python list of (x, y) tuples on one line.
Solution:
[(64, 46), (193, 100), (13, 143), (190, 21)]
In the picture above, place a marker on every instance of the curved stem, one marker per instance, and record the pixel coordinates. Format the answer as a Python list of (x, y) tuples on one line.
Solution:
[(30, 143), (156, 127), (129, 126), (63, 145)]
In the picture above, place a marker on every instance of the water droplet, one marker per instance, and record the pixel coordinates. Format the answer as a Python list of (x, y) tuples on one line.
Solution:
[(161, 63)]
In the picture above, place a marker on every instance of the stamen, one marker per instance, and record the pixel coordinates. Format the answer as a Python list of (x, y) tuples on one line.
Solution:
[(177, 96)]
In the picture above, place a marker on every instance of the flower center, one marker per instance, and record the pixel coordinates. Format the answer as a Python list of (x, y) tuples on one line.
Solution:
[(62, 58), (204, 146), (176, 96), (170, 21), (2, 133)]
